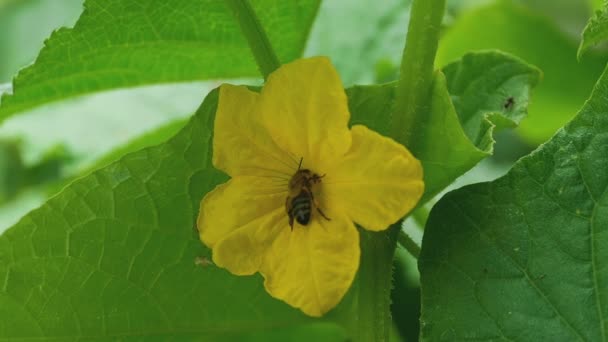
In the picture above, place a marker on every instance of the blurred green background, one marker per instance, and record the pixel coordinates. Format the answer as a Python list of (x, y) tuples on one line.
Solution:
[(43, 149)]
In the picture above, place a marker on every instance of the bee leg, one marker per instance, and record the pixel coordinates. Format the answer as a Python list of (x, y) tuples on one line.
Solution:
[(288, 213), (314, 201), (316, 178), (322, 214)]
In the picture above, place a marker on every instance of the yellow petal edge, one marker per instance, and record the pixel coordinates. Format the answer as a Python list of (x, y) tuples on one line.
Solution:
[(377, 182)]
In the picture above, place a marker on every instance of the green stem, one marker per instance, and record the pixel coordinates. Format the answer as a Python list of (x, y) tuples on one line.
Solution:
[(259, 44), (375, 284), (421, 215), (417, 66), (410, 245)]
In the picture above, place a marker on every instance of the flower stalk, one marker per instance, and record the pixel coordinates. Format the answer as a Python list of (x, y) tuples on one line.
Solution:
[(375, 279), (259, 44), (408, 243)]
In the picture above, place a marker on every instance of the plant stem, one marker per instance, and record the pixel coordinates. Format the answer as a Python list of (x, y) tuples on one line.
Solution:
[(259, 44), (421, 215), (417, 66), (410, 245), (375, 283)]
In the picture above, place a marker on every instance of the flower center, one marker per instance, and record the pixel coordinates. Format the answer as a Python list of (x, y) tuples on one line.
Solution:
[(300, 200)]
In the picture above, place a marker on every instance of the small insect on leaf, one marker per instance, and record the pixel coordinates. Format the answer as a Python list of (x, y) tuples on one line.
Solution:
[(509, 103)]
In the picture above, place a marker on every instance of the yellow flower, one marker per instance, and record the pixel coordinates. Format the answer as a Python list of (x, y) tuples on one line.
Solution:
[(356, 175)]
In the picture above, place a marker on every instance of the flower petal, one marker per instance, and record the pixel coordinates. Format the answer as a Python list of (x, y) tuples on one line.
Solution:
[(241, 145), (240, 219), (304, 107), (313, 266), (242, 251), (377, 182)]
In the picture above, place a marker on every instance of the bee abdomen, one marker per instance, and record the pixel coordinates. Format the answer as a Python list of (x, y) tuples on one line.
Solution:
[(301, 208)]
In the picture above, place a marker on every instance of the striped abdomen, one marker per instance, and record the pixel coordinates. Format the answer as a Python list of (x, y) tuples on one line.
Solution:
[(300, 208)]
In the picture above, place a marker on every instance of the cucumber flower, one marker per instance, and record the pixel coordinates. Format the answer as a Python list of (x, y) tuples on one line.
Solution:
[(300, 181)]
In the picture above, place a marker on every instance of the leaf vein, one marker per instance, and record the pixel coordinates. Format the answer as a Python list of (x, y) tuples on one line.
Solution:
[(524, 271)]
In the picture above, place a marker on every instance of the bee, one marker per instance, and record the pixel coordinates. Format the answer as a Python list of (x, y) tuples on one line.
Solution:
[(300, 200)]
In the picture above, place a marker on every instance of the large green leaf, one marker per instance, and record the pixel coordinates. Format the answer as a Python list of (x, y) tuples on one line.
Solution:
[(120, 43), (596, 30), (534, 38), (525, 258)]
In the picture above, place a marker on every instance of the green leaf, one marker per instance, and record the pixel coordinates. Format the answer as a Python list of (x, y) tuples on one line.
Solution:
[(120, 43), (490, 85), (475, 95), (116, 255), (441, 144), (596, 30), (525, 257), (517, 30)]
